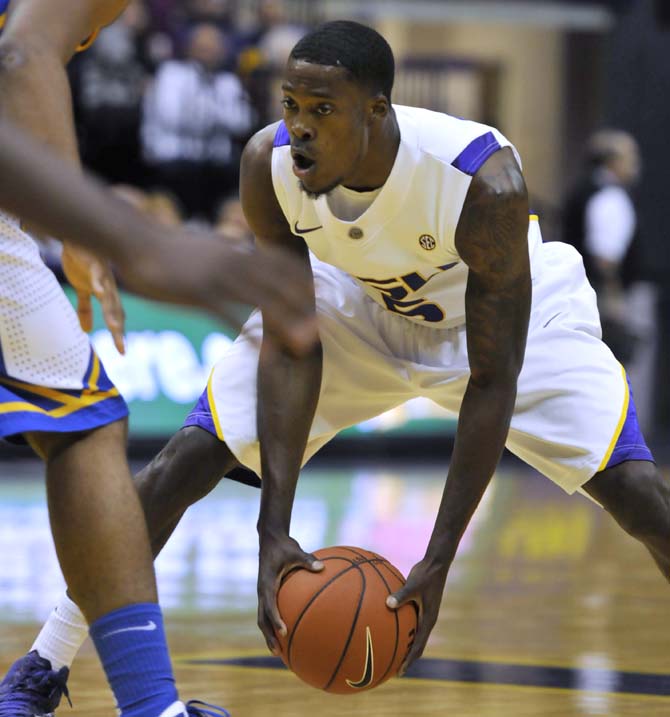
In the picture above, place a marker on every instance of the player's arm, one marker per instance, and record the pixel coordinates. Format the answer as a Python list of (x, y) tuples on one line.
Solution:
[(288, 390), (38, 39), (492, 239), (199, 269)]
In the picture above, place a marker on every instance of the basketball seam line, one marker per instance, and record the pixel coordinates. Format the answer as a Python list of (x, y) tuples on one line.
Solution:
[(309, 604), (353, 627)]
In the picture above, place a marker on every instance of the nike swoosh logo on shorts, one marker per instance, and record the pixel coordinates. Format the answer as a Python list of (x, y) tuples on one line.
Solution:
[(306, 231), (150, 626)]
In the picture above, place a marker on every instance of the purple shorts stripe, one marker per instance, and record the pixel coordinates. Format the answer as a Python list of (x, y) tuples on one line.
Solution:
[(201, 415), (630, 445), (476, 153), (282, 137)]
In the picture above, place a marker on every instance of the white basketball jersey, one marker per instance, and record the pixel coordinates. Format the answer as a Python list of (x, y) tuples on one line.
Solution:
[(402, 248)]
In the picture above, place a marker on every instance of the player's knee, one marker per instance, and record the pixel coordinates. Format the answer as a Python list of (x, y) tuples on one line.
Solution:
[(192, 463), (638, 497)]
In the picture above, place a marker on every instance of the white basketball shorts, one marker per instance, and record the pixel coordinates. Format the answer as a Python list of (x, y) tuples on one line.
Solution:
[(573, 414), (50, 377)]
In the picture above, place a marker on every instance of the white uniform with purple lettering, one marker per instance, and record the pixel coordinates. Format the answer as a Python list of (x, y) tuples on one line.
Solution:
[(390, 290)]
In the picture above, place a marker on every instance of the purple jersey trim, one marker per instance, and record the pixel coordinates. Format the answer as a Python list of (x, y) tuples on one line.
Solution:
[(282, 137), (201, 415), (630, 445), (476, 153)]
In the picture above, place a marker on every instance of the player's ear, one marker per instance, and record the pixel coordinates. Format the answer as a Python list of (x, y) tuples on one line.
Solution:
[(379, 107)]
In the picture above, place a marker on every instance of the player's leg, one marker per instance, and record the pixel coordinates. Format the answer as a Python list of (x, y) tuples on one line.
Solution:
[(95, 517), (103, 549), (638, 498), (189, 466), (575, 418)]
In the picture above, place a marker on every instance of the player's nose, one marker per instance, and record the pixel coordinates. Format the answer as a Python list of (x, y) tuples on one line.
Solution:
[(302, 130)]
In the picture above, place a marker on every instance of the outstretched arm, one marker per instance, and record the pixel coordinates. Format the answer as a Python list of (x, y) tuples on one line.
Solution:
[(492, 240), (288, 390), (199, 269)]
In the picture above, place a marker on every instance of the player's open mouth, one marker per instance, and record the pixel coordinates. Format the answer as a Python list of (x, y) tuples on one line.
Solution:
[(302, 164)]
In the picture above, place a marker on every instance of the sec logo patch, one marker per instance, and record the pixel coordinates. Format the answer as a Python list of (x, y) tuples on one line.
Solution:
[(427, 242)]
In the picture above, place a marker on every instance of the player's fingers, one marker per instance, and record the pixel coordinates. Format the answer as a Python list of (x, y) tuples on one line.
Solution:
[(413, 655), (314, 564), (113, 314), (403, 596), (418, 645), (267, 629), (84, 311), (270, 612)]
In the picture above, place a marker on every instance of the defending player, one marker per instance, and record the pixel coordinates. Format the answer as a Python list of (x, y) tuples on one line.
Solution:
[(430, 280)]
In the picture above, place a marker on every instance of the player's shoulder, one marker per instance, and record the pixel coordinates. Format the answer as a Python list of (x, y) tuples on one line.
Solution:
[(461, 143), (257, 154), (265, 139)]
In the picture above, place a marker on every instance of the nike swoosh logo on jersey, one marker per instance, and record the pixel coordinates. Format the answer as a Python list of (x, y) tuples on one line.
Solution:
[(151, 625), (306, 231), (368, 671)]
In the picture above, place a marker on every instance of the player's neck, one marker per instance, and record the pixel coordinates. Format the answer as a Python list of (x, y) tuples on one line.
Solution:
[(380, 157)]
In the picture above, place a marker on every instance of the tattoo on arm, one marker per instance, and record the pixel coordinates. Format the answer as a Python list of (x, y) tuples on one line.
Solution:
[(492, 240)]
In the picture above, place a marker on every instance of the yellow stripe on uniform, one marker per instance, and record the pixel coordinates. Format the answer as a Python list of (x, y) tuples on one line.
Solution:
[(70, 404), (619, 426), (2, 21), (212, 407), (14, 406), (89, 41), (534, 217), (95, 374)]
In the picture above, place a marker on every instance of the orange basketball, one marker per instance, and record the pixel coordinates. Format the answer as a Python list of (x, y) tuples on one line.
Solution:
[(341, 636)]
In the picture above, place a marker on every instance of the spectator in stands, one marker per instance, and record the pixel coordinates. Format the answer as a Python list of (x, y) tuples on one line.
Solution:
[(196, 119), (267, 48), (108, 85), (600, 221)]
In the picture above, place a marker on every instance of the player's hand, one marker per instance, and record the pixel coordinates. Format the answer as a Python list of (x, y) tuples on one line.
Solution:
[(89, 276), (424, 587), (277, 558), (201, 269)]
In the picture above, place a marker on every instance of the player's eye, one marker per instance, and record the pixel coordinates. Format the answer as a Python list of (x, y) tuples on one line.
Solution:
[(288, 103), (324, 110)]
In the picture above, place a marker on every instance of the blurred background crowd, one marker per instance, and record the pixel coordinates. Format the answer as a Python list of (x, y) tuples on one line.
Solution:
[(167, 96)]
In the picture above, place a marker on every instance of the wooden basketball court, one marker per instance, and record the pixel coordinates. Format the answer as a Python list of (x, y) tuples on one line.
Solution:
[(549, 609)]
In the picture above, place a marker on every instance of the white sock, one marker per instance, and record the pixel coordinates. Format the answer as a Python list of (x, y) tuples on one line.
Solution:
[(63, 634)]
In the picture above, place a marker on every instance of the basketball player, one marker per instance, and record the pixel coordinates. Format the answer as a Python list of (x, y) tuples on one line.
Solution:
[(430, 279)]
